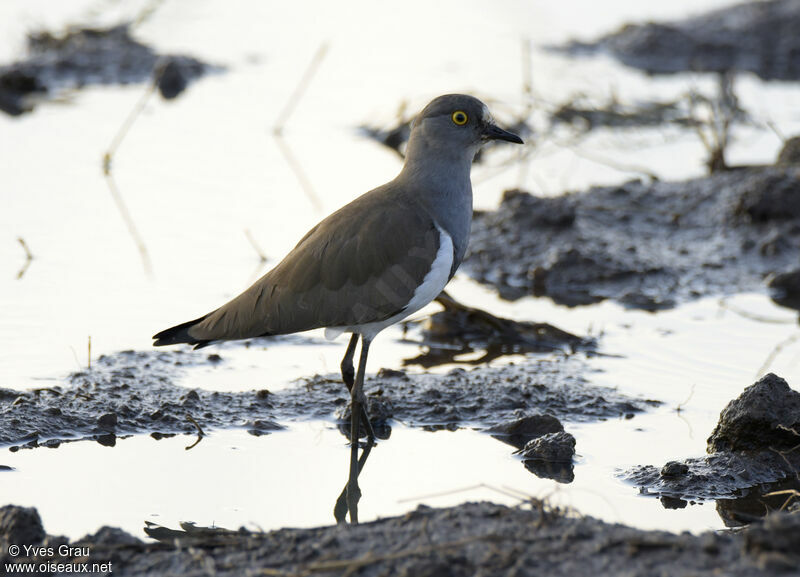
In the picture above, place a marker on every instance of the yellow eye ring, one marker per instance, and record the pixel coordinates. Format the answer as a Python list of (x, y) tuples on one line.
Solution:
[(460, 117)]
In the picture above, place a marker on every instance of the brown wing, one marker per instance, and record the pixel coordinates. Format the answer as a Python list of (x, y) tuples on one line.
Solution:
[(361, 264)]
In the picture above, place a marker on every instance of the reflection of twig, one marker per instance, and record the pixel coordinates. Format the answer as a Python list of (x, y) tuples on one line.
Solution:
[(108, 158), (28, 257), (261, 256), (508, 492), (200, 433), (297, 168), (679, 408), (115, 194), (775, 352), (283, 118)]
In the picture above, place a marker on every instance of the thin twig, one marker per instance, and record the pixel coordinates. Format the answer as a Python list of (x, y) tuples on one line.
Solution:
[(123, 130), (300, 89)]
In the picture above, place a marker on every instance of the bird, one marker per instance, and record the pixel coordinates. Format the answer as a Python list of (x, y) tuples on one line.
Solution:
[(373, 262)]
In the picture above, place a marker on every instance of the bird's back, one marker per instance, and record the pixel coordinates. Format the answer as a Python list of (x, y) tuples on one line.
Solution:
[(361, 264)]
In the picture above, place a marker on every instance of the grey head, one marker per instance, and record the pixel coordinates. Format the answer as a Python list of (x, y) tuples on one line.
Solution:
[(453, 127)]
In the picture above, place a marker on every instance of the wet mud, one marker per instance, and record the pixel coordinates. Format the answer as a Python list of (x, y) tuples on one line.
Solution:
[(135, 393), (648, 246), (470, 539), (81, 57), (757, 37), (752, 452)]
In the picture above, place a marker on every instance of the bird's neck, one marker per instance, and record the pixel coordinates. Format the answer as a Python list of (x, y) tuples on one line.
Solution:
[(443, 170), (442, 178)]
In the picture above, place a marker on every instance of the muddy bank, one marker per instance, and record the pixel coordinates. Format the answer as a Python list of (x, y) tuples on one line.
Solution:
[(648, 246), (751, 452), (758, 37), (471, 539), (81, 57), (135, 392)]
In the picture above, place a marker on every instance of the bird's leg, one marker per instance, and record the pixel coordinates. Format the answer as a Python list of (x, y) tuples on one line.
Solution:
[(348, 373), (357, 400), (348, 377)]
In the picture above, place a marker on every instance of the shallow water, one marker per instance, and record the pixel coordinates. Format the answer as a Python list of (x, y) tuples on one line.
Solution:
[(198, 172)]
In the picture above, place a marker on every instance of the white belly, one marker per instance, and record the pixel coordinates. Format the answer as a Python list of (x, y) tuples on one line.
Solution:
[(433, 284)]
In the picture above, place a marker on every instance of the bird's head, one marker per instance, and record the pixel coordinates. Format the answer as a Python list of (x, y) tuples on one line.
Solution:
[(457, 122)]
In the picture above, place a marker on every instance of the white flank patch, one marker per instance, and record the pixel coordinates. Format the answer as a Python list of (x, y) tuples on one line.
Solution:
[(433, 283)]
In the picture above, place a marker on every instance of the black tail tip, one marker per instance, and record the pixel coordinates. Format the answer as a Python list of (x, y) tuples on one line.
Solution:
[(179, 334)]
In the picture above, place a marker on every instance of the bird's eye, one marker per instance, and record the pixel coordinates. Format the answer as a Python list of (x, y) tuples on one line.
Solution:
[(460, 117)]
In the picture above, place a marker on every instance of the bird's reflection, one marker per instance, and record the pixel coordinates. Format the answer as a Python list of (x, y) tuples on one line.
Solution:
[(343, 504)]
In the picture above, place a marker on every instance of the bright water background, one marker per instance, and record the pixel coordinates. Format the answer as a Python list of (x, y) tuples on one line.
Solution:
[(198, 172)]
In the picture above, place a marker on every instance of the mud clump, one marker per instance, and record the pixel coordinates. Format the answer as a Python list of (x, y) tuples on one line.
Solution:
[(765, 416), (89, 56), (519, 432), (467, 540), (554, 447), (758, 37), (550, 456), (134, 393), (647, 246), (751, 452)]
